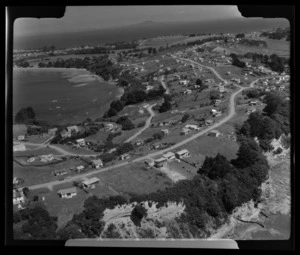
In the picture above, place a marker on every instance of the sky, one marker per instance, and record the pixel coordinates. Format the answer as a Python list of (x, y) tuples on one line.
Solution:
[(78, 18)]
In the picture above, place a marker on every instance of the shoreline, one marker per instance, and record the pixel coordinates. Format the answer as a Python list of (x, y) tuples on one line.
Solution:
[(70, 76), (262, 221)]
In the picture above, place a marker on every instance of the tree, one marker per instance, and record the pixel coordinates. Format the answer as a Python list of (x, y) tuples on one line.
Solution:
[(214, 94), (24, 115), (199, 82), (26, 191), (166, 105), (230, 197), (127, 125), (240, 35), (71, 231), (110, 113), (117, 105), (158, 135), (137, 214), (185, 117)]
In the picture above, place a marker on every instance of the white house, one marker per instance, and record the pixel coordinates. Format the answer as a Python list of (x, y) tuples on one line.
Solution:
[(214, 133), (182, 154), (125, 156), (183, 82), (169, 155), (187, 92), (78, 169), (165, 131), (90, 183), (60, 172), (97, 163), (185, 131), (46, 158), (80, 142), (52, 131), (193, 127), (18, 196), (67, 193), (208, 122), (161, 162), (73, 128), (21, 137)]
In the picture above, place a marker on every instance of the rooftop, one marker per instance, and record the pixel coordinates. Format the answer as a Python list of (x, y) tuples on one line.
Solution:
[(182, 151), (91, 181), (67, 191)]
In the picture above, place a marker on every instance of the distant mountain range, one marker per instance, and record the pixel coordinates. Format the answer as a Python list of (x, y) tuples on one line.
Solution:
[(147, 29)]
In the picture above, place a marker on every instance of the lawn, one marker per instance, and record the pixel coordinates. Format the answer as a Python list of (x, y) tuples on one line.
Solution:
[(76, 150), (35, 152), (135, 178), (100, 137), (35, 175), (64, 209)]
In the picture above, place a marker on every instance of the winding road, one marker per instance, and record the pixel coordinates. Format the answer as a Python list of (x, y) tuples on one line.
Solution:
[(147, 124), (157, 153)]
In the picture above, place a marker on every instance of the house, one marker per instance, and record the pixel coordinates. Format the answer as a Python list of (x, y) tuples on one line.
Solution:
[(156, 145), (125, 156), (253, 102), (79, 169), (208, 122), (31, 159), (165, 131), (60, 172), (18, 196), (169, 155), (108, 126), (182, 154), (73, 128), (188, 91), (161, 162), (80, 142), (67, 193), (250, 110), (21, 137), (15, 181), (139, 143), (193, 127), (97, 163), (217, 114), (214, 133), (90, 183), (19, 147), (183, 82), (46, 158), (217, 102), (185, 131), (52, 131), (65, 134), (149, 162)]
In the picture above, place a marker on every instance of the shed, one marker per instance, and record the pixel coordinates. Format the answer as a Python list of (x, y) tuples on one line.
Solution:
[(214, 133), (182, 154), (160, 162), (90, 183)]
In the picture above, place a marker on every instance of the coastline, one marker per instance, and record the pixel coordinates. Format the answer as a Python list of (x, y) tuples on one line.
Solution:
[(271, 218), (79, 77)]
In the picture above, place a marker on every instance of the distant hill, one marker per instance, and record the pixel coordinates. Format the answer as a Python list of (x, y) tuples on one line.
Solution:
[(147, 29)]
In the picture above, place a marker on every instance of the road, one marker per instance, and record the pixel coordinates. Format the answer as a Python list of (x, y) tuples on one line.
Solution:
[(163, 83), (207, 67), (147, 124), (154, 154)]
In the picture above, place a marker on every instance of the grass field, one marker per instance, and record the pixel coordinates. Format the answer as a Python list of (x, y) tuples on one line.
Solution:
[(36, 175), (100, 137), (34, 151), (64, 209), (76, 150), (158, 41), (135, 178)]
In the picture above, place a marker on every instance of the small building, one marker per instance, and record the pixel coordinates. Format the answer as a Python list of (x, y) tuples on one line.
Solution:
[(18, 196), (67, 193), (46, 158), (156, 145), (214, 133), (139, 142), (90, 183), (19, 147), (187, 92), (21, 137), (182, 154), (149, 162), (79, 169), (97, 163), (253, 102), (193, 127), (208, 122), (65, 134), (73, 128), (165, 131), (60, 172), (80, 142), (52, 131), (161, 162), (169, 155), (125, 156), (185, 131)]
